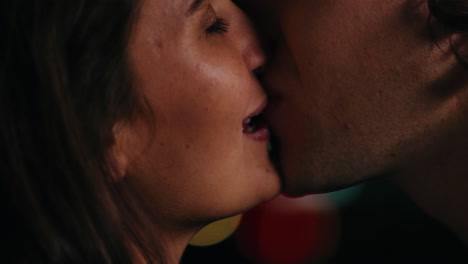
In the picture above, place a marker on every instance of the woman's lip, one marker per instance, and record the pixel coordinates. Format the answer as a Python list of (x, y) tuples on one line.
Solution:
[(261, 134), (258, 110)]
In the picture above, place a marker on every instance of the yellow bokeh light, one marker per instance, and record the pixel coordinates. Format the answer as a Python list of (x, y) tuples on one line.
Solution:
[(216, 231)]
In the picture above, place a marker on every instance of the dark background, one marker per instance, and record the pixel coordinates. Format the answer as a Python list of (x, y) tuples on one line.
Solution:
[(380, 225)]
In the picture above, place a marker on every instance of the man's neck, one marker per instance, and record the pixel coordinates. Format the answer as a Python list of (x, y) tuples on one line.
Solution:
[(440, 187)]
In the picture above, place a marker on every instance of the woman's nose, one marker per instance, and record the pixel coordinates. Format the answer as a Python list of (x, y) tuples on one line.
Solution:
[(249, 43)]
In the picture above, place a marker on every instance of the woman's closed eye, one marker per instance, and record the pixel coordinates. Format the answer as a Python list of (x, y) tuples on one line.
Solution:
[(219, 26)]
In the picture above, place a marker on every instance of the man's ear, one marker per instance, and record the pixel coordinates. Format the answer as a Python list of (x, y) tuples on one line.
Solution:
[(120, 152), (460, 47)]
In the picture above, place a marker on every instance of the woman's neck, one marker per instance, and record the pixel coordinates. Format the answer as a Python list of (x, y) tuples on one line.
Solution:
[(172, 243)]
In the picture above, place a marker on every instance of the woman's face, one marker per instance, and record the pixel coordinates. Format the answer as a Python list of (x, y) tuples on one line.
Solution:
[(194, 61)]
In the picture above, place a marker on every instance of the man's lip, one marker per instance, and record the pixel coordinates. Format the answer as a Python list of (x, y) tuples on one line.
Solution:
[(274, 99), (270, 89), (273, 102)]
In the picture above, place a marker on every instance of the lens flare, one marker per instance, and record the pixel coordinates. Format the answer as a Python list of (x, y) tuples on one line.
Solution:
[(216, 232)]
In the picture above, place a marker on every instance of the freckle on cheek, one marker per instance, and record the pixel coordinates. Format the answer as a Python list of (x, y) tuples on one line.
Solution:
[(346, 126), (159, 44), (187, 146)]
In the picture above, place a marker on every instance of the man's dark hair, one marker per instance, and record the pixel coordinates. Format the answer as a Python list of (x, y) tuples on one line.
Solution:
[(453, 15)]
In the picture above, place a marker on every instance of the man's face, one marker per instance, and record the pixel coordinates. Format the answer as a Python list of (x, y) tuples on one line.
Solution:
[(354, 89)]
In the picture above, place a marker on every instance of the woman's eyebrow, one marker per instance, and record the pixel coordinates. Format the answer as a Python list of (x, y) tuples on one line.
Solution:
[(195, 6)]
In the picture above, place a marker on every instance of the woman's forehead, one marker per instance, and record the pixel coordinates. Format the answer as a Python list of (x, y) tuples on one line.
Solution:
[(172, 7)]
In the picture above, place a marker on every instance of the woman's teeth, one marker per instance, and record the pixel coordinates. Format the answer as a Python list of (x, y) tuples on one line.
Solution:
[(252, 124)]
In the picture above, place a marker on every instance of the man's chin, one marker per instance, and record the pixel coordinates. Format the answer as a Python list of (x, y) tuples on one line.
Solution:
[(292, 188), (297, 180)]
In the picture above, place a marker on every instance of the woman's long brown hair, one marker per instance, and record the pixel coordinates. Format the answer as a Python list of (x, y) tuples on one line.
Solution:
[(64, 83)]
